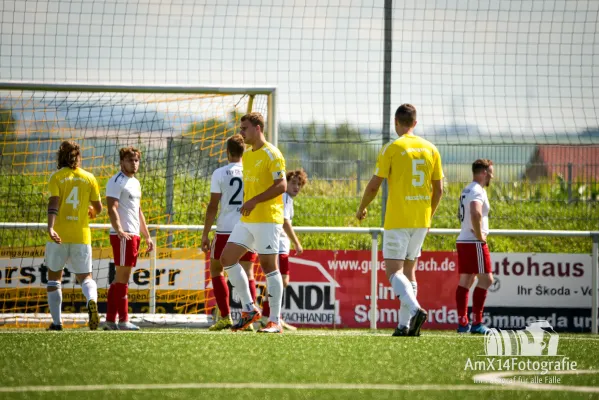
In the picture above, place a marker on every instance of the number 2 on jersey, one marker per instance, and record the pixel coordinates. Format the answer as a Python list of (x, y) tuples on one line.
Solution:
[(73, 197), (233, 200)]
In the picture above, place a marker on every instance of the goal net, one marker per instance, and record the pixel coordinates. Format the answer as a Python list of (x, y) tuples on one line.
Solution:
[(181, 132)]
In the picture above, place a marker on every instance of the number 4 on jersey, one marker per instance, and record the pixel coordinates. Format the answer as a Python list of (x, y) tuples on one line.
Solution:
[(73, 197)]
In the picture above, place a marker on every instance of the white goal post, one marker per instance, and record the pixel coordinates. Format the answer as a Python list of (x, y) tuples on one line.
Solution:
[(375, 233)]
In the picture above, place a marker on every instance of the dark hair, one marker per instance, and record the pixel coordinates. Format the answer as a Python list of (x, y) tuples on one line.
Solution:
[(300, 174), (68, 155), (255, 118), (235, 145), (406, 115), (129, 151), (482, 164)]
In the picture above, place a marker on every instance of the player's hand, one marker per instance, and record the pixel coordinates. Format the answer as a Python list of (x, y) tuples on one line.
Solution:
[(150, 244), (91, 212), (54, 236), (247, 207), (205, 244), (124, 235), (299, 250), (361, 214)]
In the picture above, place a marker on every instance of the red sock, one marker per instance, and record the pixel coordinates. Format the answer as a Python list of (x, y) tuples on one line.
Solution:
[(111, 304), (265, 308), (253, 289), (122, 290), (221, 293), (461, 299), (478, 304)]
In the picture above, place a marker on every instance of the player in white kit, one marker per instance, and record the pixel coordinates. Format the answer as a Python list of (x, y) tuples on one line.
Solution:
[(123, 196), (226, 190), (474, 259)]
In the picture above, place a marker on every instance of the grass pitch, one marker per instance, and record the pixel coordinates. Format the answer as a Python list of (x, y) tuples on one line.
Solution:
[(344, 364)]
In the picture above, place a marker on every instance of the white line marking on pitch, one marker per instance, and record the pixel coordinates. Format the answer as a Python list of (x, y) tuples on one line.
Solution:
[(503, 379)]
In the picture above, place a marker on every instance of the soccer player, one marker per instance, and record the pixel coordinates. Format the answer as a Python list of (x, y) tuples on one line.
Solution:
[(226, 188), (296, 180), (474, 259), (123, 197), (412, 167), (261, 224), (72, 190)]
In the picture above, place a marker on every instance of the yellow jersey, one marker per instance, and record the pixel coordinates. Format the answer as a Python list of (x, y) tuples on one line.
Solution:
[(409, 163), (76, 188), (260, 169)]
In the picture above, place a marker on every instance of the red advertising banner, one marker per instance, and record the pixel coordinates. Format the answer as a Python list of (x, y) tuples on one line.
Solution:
[(332, 288)]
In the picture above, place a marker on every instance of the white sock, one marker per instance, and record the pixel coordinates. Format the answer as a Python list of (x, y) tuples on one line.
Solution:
[(274, 285), (239, 281), (89, 289), (403, 289), (55, 304), (404, 311)]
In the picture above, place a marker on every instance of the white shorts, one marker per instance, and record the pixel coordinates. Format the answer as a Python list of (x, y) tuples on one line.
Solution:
[(79, 255), (403, 244), (261, 238)]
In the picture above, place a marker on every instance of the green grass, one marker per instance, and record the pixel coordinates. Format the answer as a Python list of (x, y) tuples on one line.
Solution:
[(333, 203), (308, 357)]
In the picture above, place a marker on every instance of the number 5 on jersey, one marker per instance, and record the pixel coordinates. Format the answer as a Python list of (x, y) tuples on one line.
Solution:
[(417, 175)]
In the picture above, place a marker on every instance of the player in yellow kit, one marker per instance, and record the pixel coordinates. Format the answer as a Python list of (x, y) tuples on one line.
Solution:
[(260, 225), (72, 189), (412, 167)]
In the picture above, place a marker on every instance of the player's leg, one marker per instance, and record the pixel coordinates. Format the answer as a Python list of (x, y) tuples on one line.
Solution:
[(267, 245), (219, 284), (125, 254), (55, 258), (284, 269), (409, 270), (417, 236), (461, 299), (485, 280), (247, 263), (81, 263), (240, 241)]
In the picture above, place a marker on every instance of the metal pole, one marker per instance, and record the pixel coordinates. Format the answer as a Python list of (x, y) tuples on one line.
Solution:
[(153, 273), (373, 278), (170, 187), (358, 177), (387, 88), (595, 285), (569, 182)]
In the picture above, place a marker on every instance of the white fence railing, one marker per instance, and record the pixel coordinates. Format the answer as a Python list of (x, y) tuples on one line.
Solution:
[(374, 233)]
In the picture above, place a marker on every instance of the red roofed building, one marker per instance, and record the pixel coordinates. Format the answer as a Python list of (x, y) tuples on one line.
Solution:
[(551, 160)]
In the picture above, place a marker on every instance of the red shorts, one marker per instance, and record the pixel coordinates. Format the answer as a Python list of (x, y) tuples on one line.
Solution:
[(218, 244), (473, 258), (284, 264), (125, 251)]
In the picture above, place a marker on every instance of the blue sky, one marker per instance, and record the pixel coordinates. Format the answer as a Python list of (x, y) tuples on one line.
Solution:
[(508, 68)]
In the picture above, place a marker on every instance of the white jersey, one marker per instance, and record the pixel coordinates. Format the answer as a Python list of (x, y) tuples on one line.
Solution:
[(228, 181), (473, 192), (128, 192), (284, 242)]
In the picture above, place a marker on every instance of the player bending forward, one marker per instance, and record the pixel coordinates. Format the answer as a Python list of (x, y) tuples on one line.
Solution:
[(261, 224), (72, 190), (296, 180), (123, 196), (474, 259), (226, 188)]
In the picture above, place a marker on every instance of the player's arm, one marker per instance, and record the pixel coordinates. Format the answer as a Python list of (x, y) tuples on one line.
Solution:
[(95, 197), (288, 228), (144, 230), (115, 221), (278, 187), (369, 195), (437, 194), (53, 204), (211, 212), (476, 216)]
